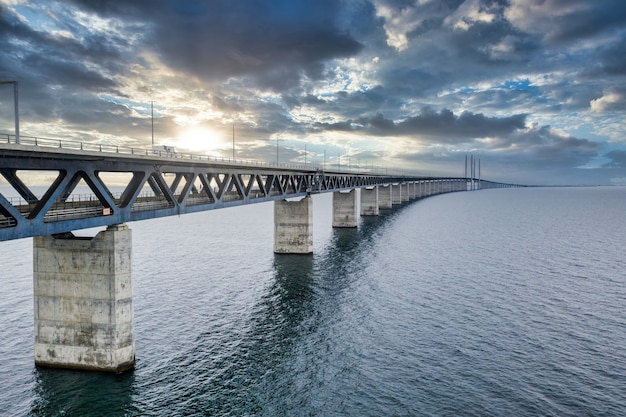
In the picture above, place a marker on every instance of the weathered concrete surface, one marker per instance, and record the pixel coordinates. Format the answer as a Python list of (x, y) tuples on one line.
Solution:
[(404, 187), (419, 189), (369, 202), (384, 197), (396, 194), (412, 190), (83, 303), (344, 209), (293, 226)]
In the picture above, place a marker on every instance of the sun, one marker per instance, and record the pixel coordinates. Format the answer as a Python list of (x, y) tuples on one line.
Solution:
[(198, 139)]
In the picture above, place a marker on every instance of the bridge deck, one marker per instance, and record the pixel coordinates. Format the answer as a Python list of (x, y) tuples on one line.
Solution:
[(154, 183), (155, 186)]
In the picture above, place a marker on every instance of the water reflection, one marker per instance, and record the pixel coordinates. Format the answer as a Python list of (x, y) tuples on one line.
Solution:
[(61, 392), (259, 358)]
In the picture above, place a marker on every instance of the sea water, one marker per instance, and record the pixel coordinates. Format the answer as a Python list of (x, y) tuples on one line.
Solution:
[(487, 303)]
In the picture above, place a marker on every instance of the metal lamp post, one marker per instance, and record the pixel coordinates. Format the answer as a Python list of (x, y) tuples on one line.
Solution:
[(16, 103)]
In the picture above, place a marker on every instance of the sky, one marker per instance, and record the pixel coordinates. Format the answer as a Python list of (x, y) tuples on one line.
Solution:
[(535, 89)]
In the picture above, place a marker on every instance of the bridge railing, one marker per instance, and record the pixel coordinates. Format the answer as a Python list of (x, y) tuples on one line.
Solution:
[(116, 149)]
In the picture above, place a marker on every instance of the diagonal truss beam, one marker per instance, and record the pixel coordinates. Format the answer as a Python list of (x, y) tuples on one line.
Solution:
[(146, 193)]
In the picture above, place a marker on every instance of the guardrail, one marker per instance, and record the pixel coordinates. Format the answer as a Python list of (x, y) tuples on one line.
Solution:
[(106, 148)]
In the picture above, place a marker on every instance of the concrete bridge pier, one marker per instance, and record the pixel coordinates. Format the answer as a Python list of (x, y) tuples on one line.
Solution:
[(369, 202), (83, 301), (293, 226), (419, 189), (396, 194), (344, 209), (427, 188), (404, 187), (384, 197)]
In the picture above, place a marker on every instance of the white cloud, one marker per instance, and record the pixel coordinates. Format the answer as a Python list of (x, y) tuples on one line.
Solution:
[(398, 22), (606, 102), (537, 16), (503, 49), (469, 13)]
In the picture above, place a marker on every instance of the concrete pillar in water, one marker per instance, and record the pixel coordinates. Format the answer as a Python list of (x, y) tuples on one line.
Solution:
[(293, 226), (344, 209), (412, 190), (396, 194), (384, 197), (404, 187), (83, 301), (369, 202)]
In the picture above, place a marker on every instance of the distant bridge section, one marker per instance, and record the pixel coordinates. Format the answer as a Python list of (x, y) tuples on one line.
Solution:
[(154, 184), (83, 298)]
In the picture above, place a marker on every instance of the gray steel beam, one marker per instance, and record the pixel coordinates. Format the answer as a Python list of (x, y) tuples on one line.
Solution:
[(236, 185)]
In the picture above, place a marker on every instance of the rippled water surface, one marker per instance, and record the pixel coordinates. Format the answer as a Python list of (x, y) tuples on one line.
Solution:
[(490, 303)]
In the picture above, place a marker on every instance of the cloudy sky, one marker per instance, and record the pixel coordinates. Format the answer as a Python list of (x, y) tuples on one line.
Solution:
[(534, 88)]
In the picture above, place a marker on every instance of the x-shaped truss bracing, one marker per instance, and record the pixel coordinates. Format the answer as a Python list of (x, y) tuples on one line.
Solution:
[(153, 187)]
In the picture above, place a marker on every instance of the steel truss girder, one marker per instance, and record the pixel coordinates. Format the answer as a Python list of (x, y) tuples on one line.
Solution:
[(196, 186)]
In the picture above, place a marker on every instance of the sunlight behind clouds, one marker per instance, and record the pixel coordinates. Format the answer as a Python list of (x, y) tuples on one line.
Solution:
[(374, 78), (199, 139)]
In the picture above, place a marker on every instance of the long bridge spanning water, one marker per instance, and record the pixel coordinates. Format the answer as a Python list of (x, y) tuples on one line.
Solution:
[(83, 286)]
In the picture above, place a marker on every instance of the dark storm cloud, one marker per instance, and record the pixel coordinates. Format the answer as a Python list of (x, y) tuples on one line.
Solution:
[(539, 154), (585, 20), (443, 126), (52, 69), (539, 147), (84, 47), (613, 59), (442, 55), (446, 74), (277, 43), (69, 73), (618, 159)]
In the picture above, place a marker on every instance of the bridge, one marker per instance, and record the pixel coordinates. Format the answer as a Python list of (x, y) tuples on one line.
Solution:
[(83, 286)]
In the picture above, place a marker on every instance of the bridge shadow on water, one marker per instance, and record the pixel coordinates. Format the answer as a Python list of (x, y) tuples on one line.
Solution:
[(63, 392), (289, 340), (263, 365), (280, 350)]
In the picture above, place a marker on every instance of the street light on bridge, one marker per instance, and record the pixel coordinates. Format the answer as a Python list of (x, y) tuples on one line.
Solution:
[(16, 112), (277, 139)]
